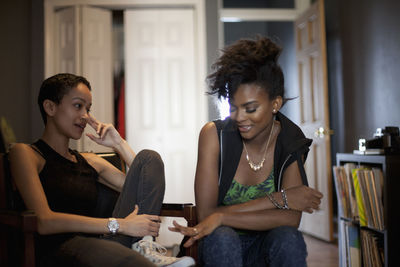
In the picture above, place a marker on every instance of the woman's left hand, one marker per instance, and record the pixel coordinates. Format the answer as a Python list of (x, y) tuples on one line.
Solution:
[(206, 227), (107, 134)]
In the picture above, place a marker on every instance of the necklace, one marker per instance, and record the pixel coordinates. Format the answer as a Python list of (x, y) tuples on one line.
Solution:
[(255, 167)]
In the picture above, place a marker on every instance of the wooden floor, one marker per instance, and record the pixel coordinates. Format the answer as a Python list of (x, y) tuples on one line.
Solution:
[(321, 253)]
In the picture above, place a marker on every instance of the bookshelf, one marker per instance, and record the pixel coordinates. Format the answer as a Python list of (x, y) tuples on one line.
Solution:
[(390, 166)]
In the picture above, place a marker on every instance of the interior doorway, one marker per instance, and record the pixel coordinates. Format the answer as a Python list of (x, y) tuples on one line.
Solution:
[(246, 18), (117, 103)]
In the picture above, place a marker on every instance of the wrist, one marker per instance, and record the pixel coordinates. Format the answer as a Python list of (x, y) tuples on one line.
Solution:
[(122, 227), (276, 199), (113, 225), (284, 199), (220, 217), (279, 199), (119, 145)]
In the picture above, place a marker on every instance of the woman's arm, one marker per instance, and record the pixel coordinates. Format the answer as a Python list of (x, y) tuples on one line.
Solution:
[(108, 173), (108, 136), (206, 177), (25, 166)]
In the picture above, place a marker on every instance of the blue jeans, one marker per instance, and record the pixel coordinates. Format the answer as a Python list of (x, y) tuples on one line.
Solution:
[(281, 246)]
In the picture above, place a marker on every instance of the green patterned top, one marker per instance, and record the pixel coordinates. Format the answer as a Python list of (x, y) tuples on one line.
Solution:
[(239, 193)]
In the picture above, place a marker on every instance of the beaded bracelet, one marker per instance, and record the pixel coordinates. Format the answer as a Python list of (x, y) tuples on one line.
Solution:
[(284, 198), (273, 200), (276, 204)]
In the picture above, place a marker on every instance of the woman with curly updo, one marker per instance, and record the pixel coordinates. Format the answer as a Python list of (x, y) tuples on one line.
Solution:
[(250, 185)]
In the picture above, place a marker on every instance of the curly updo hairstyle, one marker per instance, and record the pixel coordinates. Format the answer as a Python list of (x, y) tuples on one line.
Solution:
[(248, 61), (55, 87)]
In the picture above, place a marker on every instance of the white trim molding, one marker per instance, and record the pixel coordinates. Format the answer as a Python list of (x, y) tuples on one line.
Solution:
[(264, 14), (258, 14)]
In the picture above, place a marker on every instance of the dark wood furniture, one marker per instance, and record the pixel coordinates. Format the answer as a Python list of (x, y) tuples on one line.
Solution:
[(19, 227), (390, 166)]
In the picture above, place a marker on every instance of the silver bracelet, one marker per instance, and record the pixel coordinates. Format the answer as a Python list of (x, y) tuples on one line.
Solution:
[(273, 200), (284, 198)]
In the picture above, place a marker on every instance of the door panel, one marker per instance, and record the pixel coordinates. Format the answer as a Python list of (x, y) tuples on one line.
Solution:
[(83, 37), (162, 101), (67, 34), (97, 68), (314, 114)]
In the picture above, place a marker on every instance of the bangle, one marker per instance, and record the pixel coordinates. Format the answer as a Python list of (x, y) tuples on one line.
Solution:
[(284, 198), (273, 200)]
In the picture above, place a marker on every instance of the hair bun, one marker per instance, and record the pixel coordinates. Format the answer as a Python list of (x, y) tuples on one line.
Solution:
[(266, 50)]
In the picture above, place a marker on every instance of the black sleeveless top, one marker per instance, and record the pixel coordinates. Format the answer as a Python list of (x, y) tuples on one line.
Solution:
[(70, 187)]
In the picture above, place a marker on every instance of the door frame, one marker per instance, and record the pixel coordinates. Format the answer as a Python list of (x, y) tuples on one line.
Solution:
[(50, 6), (248, 15), (258, 14)]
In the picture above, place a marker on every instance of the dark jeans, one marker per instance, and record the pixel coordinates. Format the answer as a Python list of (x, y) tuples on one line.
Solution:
[(281, 246), (144, 186)]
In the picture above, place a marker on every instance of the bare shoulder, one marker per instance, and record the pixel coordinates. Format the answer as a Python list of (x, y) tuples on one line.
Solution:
[(209, 130), (21, 150), (21, 153), (208, 142), (208, 139)]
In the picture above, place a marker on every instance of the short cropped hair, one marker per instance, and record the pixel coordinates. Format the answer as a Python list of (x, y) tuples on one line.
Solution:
[(55, 87)]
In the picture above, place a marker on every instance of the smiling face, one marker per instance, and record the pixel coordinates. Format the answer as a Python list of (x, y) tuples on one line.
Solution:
[(71, 114), (253, 110)]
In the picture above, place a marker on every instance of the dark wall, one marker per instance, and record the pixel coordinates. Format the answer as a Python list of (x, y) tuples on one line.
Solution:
[(21, 65), (15, 65), (363, 41)]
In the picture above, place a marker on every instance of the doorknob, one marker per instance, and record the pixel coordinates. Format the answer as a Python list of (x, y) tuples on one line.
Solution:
[(321, 132)]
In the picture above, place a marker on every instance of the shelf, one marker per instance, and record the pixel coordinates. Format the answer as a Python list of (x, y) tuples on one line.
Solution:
[(390, 165)]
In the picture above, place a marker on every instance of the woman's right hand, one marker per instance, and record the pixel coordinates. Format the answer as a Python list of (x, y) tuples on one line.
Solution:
[(140, 225), (303, 198), (204, 228), (107, 135)]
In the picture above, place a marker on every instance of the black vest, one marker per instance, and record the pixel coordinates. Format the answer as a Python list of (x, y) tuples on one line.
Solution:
[(291, 145)]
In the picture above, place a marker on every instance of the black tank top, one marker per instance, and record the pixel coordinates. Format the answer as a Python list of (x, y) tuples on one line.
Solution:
[(70, 187)]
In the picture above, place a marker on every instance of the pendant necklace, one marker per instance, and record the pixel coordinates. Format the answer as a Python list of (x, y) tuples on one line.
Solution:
[(255, 167)]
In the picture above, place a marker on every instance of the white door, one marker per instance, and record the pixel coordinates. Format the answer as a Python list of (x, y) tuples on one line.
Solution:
[(67, 35), (314, 115), (83, 36), (163, 99)]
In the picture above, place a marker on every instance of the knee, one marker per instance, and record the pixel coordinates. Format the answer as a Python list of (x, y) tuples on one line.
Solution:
[(152, 166), (150, 159), (148, 155), (288, 239), (221, 248), (221, 238)]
